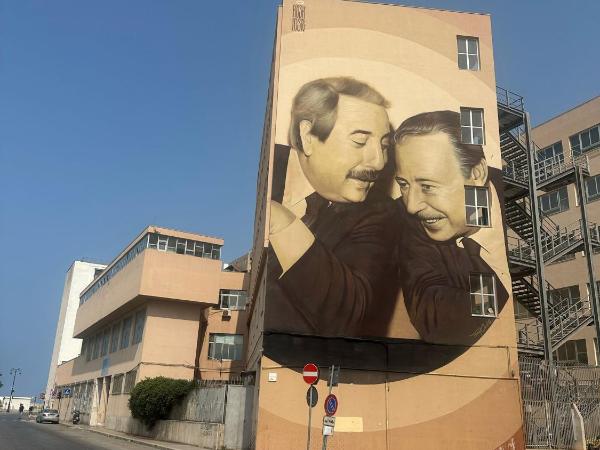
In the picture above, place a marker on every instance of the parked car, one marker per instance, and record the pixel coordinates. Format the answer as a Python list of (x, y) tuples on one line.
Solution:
[(47, 415)]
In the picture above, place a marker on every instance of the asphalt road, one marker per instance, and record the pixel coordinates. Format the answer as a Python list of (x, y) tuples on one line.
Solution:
[(16, 434)]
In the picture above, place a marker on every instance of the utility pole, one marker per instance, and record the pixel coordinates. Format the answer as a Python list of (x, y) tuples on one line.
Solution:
[(14, 372)]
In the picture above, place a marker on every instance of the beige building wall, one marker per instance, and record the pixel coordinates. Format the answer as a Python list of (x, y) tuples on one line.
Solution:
[(179, 296), (574, 271), (409, 55)]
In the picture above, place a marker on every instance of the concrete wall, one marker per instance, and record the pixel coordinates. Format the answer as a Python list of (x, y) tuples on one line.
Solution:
[(66, 347)]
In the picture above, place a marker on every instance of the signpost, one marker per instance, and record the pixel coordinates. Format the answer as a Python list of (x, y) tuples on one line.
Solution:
[(331, 405), (310, 374)]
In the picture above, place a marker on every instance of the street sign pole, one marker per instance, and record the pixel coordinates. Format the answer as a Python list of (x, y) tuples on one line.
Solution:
[(324, 447), (310, 402)]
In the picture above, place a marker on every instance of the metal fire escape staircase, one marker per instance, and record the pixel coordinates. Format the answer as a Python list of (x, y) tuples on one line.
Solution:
[(565, 315)]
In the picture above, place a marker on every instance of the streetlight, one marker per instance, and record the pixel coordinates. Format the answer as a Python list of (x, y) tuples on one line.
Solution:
[(14, 372)]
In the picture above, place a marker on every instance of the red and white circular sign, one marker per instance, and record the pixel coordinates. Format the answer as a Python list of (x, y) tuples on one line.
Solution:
[(310, 373)]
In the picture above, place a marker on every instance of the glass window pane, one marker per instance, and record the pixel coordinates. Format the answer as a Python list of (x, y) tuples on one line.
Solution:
[(476, 304), (484, 219), (477, 118), (585, 140), (482, 197), (172, 242), (488, 284), (469, 195), (465, 135), (473, 62), (471, 215), (465, 117), (472, 46), (475, 283), (462, 45), (594, 135), (477, 136), (462, 61)]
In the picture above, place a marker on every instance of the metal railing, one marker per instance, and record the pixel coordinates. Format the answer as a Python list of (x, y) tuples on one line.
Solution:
[(520, 249), (514, 171), (557, 165), (549, 392), (563, 239), (509, 99)]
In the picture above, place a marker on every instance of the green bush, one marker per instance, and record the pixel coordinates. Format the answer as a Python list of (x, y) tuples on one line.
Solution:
[(152, 399)]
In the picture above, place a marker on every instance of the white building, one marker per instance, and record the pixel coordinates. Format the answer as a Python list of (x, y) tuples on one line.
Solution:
[(79, 276), (15, 403)]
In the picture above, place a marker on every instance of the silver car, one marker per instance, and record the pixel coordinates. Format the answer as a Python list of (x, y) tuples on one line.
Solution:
[(47, 415)]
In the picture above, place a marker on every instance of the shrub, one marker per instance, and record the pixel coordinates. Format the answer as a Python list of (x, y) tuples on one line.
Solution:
[(152, 399)]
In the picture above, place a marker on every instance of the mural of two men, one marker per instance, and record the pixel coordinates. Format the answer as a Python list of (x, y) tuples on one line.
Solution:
[(343, 253)]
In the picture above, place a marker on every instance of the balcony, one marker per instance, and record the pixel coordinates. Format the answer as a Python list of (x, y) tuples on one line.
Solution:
[(149, 269)]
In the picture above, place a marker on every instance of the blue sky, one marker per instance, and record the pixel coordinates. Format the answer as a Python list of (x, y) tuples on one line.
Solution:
[(115, 115)]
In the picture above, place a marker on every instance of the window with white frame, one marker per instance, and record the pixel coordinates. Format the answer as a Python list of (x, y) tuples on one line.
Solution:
[(477, 205), (138, 329), (592, 187), (483, 295), (585, 140), (232, 299), (471, 126), (555, 201), (553, 152), (225, 346), (468, 52)]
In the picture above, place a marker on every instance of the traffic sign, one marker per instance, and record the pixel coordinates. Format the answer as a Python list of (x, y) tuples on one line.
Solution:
[(310, 373), (331, 404), (312, 396), (67, 391), (329, 421)]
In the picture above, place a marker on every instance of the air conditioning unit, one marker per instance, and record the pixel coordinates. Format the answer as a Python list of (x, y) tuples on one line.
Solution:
[(226, 313)]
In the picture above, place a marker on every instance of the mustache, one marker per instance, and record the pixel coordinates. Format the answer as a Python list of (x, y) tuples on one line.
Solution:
[(367, 175)]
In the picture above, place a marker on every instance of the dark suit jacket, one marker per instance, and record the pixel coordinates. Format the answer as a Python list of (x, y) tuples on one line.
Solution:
[(344, 285), (435, 281)]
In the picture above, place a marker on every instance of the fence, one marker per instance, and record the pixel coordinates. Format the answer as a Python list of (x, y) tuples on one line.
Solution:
[(549, 391)]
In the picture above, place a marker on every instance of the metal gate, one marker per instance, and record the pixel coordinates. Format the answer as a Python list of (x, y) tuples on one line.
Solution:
[(548, 391)]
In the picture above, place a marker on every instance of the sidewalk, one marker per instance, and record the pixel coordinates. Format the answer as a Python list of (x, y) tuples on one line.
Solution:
[(129, 437)]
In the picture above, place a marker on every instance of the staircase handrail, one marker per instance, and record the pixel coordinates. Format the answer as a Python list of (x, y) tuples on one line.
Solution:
[(509, 99), (563, 238), (548, 167), (515, 171), (519, 248), (548, 225)]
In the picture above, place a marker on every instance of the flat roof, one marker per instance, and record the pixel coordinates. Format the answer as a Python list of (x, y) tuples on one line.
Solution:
[(567, 111), (418, 7)]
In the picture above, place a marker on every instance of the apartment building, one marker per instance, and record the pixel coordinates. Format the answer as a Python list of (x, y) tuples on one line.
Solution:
[(163, 307), (66, 347), (412, 373), (574, 134)]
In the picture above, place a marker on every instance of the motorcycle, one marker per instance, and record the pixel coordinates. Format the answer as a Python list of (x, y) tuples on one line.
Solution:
[(76, 417)]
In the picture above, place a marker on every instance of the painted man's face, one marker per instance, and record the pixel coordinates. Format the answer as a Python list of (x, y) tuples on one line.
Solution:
[(345, 166), (432, 185)]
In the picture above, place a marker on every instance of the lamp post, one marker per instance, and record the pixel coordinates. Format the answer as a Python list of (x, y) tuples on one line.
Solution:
[(14, 372)]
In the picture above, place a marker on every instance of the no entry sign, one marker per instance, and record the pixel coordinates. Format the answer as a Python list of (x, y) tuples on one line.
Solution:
[(310, 373)]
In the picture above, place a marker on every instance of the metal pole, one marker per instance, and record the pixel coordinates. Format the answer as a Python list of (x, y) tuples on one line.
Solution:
[(324, 447), (587, 243), (14, 373), (537, 240), (310, 391)]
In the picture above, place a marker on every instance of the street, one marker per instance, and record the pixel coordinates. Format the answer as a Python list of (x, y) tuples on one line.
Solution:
[(16, 434)]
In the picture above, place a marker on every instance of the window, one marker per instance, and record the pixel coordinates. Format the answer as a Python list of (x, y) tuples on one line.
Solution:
[(574, 351), (117, 384), (468, 52), (105, 342), (568, 294), (553, 152), (592, 187), (471, 126), (140, 319), (483, 294), (96, 346), (555, 202), (126, 332), (225, 346), (84, 349), (114, 339), (235, 300), (97, 272), (585, 140), (129, 381), (477, 204)]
